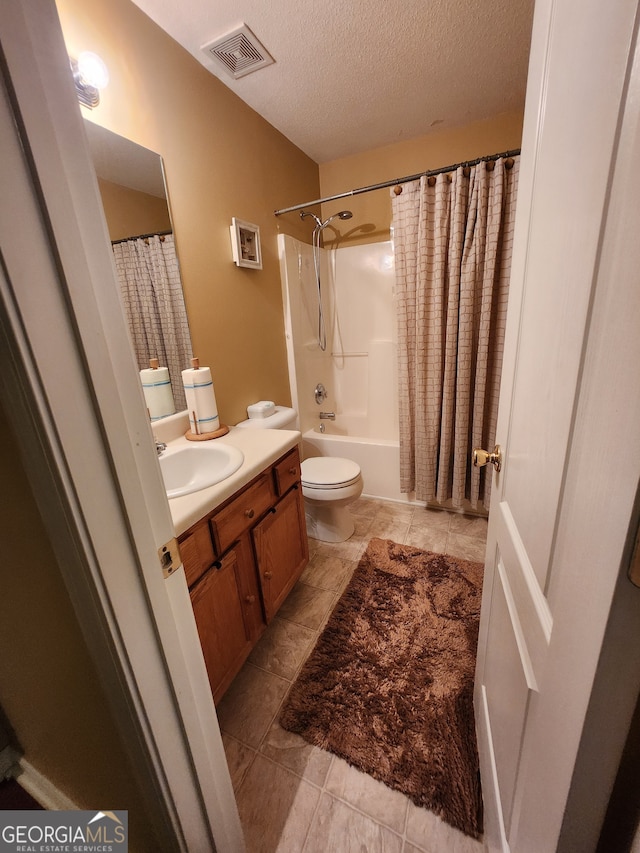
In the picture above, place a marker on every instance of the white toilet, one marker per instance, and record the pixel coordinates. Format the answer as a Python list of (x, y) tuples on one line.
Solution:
[(329, 483)]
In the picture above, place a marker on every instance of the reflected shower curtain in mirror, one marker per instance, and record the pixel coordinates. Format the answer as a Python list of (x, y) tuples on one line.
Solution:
[(151, 290), (453, 237)]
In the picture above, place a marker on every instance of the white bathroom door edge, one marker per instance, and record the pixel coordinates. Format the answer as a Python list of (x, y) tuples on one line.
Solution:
[(70, 386)]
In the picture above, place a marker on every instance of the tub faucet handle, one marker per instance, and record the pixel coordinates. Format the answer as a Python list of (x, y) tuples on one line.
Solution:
[(327, 416), (320, 393)]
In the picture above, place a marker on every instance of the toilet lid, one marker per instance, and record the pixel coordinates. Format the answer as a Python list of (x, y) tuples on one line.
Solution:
[(329, 472)]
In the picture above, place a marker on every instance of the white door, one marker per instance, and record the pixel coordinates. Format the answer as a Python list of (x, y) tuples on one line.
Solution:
[(569, 408)]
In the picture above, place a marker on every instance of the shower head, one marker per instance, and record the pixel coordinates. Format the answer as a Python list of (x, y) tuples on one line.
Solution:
[(315, 242), (343, 214)]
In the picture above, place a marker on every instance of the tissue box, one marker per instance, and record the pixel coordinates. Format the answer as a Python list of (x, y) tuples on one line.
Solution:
[(262, 409)]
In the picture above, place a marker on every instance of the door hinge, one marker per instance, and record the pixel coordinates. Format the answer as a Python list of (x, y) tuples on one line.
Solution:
[(169, 555)]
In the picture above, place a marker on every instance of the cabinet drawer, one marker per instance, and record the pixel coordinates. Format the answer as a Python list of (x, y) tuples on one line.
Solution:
[(196, 550), (243, 512), (287, 472)]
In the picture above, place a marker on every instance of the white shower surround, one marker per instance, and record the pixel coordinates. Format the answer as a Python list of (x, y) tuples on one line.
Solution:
[(358, 368)]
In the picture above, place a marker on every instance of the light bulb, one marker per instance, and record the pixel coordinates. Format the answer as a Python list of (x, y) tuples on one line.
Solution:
[(93, 70)]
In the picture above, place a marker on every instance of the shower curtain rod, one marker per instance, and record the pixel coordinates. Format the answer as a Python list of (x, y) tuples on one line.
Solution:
[(398, 181), (142, 237)]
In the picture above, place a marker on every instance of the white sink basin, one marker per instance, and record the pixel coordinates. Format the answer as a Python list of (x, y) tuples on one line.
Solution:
[(198, 466)]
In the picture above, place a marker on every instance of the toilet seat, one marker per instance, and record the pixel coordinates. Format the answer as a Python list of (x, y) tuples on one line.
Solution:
[(329, 472)]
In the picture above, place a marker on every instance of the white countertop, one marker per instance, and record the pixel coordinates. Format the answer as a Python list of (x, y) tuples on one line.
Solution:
[(261, 447)]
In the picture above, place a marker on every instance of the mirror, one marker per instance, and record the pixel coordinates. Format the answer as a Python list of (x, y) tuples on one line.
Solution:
[(134, 198)]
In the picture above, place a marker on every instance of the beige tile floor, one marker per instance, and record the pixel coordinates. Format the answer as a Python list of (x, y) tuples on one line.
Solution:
[(296, 798)]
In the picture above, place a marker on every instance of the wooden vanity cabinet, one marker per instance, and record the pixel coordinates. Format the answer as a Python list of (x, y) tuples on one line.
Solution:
[(241, 561)]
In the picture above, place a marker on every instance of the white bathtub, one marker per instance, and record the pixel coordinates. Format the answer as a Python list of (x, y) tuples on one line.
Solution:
[(379, 461), (378, 458)]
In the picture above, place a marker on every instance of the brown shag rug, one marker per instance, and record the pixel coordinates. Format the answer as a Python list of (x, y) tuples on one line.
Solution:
[(389, 685)]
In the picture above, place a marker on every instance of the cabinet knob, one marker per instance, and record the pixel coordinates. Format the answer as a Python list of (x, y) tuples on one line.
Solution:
[(250, 599), (293, 470), (249, 513), (268, 575)]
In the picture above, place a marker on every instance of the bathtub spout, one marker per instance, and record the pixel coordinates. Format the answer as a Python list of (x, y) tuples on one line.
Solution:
[(327, 416)]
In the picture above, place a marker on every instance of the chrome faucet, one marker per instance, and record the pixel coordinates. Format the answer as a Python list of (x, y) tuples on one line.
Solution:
[(160, 447), (327, 416)]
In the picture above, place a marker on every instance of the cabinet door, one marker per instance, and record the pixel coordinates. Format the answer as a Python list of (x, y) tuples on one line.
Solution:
[(282, 550), (248, 588), (224, 635)]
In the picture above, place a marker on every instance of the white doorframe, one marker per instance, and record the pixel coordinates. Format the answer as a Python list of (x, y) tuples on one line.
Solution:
[(70, 388)]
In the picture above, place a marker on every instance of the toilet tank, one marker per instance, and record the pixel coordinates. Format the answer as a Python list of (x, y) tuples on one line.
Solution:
[(282, 418)]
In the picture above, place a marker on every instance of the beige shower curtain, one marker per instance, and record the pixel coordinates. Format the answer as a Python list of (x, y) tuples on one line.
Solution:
[(452, 237), (151, 290)]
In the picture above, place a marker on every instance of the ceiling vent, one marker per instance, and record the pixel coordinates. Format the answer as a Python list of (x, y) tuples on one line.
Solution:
[(239, 52)]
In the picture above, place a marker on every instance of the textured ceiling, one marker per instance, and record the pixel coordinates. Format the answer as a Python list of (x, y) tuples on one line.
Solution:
[(353, 75)]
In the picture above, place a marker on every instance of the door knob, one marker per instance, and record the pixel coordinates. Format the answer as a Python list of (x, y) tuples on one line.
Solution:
[(482, 457)]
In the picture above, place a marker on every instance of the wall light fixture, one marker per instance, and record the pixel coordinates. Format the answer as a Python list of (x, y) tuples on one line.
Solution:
[(90, 74)]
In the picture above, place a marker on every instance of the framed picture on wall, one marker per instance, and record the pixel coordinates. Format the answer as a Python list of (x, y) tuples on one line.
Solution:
[(245, 244)]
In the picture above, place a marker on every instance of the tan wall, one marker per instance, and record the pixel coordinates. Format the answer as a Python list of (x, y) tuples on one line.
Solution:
[(221, 160), (131, 213), (49, 688), (372, 211)]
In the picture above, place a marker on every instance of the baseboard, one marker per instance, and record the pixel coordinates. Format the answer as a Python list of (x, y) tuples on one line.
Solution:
[(42, 789)]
